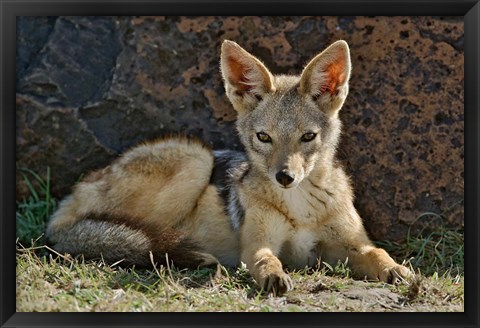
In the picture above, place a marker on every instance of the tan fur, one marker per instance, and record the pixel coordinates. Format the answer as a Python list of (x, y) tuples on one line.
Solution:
[(296, 200)]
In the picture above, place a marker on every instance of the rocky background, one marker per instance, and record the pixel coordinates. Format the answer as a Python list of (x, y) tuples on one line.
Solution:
[(90, 87)]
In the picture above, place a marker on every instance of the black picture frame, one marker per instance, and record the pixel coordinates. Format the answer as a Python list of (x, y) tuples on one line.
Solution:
[(469, 9)]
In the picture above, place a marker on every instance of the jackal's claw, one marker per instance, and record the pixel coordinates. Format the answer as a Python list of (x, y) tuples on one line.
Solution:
[(396, 274), (277, 284)]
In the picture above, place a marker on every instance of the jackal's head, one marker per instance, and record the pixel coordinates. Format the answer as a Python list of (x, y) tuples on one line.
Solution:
[(288, 124)]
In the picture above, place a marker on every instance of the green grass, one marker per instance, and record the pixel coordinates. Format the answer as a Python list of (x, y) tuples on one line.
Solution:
[(33, 212), (63, 283), (431, 252), (47, 281)]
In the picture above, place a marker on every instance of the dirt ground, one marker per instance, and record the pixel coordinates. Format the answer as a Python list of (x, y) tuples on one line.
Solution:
[(47, 285), (336, 294)]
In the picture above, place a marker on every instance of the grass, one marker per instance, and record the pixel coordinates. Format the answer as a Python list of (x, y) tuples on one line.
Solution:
[(33, 212), (47, 281), (433, 252)]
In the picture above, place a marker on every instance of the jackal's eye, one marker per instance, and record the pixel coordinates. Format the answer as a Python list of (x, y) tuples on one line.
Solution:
[(263, 137), (308, 137)]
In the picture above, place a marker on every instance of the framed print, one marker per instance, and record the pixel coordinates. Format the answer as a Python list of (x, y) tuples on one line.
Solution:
[(317, 159)]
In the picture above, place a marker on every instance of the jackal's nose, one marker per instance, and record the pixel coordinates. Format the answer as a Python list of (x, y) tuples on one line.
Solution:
[(284, 177)]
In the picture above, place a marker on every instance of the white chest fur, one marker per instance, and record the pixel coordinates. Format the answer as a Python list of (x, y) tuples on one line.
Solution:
[(306, 207), (300, 250), (305, 204), (296, 204)]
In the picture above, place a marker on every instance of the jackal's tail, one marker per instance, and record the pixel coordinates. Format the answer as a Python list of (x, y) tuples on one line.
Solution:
[(120, 240)]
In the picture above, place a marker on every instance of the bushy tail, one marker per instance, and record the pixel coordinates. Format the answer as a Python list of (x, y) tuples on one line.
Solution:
[(101, 239), (114, 240)]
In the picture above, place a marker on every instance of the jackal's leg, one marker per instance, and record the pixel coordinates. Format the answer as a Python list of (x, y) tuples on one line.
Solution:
[(366, 260), (262, 235), (375, 263)]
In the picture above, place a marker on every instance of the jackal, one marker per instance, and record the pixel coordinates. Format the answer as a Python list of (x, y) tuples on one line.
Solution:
[(284, 201)]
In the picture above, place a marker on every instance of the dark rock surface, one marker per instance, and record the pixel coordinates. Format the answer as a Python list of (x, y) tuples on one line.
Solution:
[(90, 87)]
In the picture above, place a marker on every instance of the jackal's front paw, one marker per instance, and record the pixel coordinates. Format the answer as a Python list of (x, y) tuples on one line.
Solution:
[(271, 278), (394, 274), (377, 264), (276, 283)]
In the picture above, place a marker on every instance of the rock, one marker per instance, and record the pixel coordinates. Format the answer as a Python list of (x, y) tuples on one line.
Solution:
[(75, 65), (90, 87), (55, 137)]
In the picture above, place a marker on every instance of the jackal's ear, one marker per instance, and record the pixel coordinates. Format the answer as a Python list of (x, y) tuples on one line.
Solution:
[(325, 78), (246, 79)]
